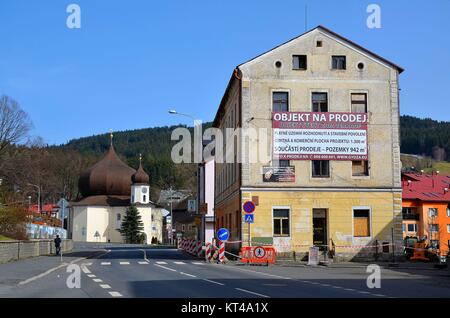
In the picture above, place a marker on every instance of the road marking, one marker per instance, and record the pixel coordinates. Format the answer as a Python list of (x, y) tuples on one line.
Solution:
[(105, 263), (124, 263), (115, 294), (187, 274), (162, 263), (85, 269), (198, 263), (87, 264), (250, 292), (143, 263), (256, 272), (180, 263), (349, 289), (379, 295), (145, 254), (91, 275), (105, 286), (211, 281), (170, 269), (337, 287), (363, 292), (97, 280)]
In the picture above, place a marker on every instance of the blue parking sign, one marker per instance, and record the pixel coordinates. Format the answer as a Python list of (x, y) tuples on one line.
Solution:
[(249, 218)]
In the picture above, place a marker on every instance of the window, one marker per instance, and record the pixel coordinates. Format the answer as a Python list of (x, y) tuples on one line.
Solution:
[(361, 223), (448, 228), (360, 168), (403, 227), (412, 227), (321, 168), (338, 62), (434, 227), (319, 102), (299, 62), (432, 212), (278, 64), (284, 163), (118, 221), (280, 101), (434, 243), (281, 222), (319, 43), (144, 198), (407, 210), (448, 211), (359, 102)]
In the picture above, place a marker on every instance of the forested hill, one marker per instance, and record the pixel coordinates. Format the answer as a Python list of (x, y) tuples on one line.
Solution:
[(426, 137)]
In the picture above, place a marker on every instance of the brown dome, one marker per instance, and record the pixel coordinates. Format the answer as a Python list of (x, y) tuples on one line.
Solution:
[(140, 176), (109, 176)]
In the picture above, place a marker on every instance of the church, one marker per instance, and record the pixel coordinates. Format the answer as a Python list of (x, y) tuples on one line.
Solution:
[(108, 188)]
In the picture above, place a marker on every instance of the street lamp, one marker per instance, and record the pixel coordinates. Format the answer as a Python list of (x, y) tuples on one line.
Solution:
[(198, 158), (39, 196)]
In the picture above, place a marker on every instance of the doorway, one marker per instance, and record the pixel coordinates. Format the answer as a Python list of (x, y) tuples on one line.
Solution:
[(320, 230)]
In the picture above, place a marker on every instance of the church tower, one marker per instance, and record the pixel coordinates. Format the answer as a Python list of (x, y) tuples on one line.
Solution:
[(140, 189)]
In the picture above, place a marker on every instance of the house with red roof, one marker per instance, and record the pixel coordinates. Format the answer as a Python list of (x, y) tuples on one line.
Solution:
[(426, 208)]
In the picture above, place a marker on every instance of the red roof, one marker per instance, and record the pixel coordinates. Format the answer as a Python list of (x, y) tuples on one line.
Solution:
[(426, 187), (46, 208)]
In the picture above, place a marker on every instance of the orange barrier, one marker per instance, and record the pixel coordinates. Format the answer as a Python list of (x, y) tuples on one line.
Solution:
[(419, 253), (258, 255)]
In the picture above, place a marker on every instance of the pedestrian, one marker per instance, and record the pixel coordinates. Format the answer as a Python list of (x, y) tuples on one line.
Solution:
[(57, 241)]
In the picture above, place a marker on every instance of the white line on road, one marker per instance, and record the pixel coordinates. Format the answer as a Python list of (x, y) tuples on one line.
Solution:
[(198, 263), (349, 289), (379, 295), (161, 263), (105, 263), (97, 280), (180, 263), (143, 263), (211, 281), (170, 269), (190, 275), (105, 286), (115, 294), (124, 263), (85, 269), (87, 264), (91, 275), (250, 292)]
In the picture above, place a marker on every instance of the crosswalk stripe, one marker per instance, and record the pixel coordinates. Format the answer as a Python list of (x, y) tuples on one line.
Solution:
[(91, 275), (97, 280), (105, 263), (198, 263), (115, 294), (105, 286), (124, 263), (180, 263), (161, 263)]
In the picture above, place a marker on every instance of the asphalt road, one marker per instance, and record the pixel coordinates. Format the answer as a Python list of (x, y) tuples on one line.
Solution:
[(155, 273)]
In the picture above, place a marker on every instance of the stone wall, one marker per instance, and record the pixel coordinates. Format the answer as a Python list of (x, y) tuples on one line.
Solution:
[(16, 250)]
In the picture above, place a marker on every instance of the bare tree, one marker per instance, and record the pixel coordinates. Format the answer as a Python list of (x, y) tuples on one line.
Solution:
[(14, 123)]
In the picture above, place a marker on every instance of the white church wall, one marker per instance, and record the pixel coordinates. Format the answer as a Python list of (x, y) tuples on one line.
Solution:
[(79, 223)]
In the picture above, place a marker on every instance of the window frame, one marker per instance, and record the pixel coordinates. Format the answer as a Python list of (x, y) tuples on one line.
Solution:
[(281, 225), (358, 102), (312, 102), (362, 176), (320, 177), (370, 222), (281, 91), (299, 56), (338, 56)]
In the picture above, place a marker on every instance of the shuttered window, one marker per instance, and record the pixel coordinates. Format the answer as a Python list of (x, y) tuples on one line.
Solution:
[(359, 103), (361, 223)]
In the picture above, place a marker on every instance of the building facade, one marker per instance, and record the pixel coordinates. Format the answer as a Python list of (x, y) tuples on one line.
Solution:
[(311, 195), (426, 209), (206, 174)]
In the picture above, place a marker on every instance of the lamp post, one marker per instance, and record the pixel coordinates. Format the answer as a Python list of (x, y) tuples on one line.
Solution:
[(39, 196), (197, 159)]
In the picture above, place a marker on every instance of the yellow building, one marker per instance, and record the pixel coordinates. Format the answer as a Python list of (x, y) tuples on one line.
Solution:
[(318, 150)]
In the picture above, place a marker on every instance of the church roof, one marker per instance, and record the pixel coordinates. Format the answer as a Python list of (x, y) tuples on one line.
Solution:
[(109, 176), (140, 176)]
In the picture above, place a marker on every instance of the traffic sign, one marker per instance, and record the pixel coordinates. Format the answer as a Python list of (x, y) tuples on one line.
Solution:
[(259, 252), (223, 234), (249, 207), (249, 218)]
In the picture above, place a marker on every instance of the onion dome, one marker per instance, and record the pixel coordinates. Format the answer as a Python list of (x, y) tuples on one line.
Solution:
[(109, 176), (140, 176)]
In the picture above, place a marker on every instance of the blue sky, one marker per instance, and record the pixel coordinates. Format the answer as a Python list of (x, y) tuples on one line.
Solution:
[(131, 61)]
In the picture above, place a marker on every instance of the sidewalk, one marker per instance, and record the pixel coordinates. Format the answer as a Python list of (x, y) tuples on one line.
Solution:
[(13, 273)]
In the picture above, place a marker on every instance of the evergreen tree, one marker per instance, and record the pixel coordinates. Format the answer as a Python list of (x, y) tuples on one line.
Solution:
[(132, 226)]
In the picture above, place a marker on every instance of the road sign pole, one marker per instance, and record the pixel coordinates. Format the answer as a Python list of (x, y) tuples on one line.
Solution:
[(249, 239)]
